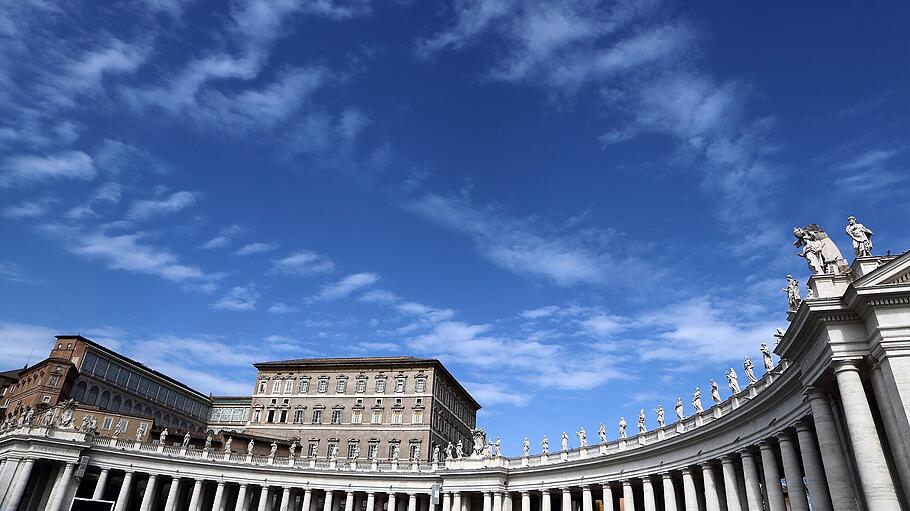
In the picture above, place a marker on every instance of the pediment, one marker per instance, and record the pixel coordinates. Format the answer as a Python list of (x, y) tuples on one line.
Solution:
[(895, 272)]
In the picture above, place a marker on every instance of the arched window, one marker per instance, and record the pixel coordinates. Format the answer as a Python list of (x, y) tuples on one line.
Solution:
[(105, 400), (115, 404), (79, 391), (167, 420), (92, 397), (157, 416), (137, 409), (127, 406)]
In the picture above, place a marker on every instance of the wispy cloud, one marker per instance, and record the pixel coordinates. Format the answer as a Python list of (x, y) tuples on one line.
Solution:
[(29, 209), (255, 248), (66, 165), (870, 159), (239, 298), (13, 273), (224, 237), (346, 286), (302, 264), (282, 308), (173, 203)]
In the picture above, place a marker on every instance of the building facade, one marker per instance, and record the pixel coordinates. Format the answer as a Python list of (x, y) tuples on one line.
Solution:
[(376, 406), (826, 427)]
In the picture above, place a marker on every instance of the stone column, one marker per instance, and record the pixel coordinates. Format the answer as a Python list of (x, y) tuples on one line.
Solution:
[(796, 490), (497, 501), (545, 504), (412, 502), (690, 494), (348, 502), (772, 477), (752, 482), (608, 497), (171, 503), (196, 496), (101, 484), (628, 498), (886, 407), (669, 492), (371, 501), (648, 497), (566, 499), (587, 500), (456, 501), (525, 501), (286, 499), (731, 485), (507, 501), (327, 503), (18, 484), (870, 459), (219, 496), (837, 475), (815, 474), (241, 498), (148, 495), (124, 494), (391, 502), (712, 500), (61, 488)]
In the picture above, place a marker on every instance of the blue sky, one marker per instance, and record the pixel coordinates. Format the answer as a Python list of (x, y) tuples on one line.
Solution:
[(583, 208)]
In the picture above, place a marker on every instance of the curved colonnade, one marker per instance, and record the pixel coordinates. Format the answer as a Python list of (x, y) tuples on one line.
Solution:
[(825, 430)]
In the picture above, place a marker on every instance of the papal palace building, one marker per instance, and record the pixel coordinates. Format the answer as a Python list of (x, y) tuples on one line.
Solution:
[(821, 423)]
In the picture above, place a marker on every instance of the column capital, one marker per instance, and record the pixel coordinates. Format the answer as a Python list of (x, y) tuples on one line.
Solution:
[(627, 482), (803, 424), (708, 464), (849, 365), (765, 445), (686, 470), (525, 492), (566, 489), (783, 436), (728, 459), (666, 475), (242, 485)]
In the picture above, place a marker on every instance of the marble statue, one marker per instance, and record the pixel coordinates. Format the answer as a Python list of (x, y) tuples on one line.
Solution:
[(766, 356), (436, 454), (642, 428), (355, 455), (249, 446), (396, 451), (162, 438), (459, 449), (333, 454), (273, 449), (793, 296), (69, 408), (622, 427), (85, 422), (292, 450), (526, 447), (602, 433), (733, 381), (117, 431), (140, 432), (29, 416), (186, 440), (488, 450), (696, 401), (92, 426), (582, 437), (208, 441), (661, 419), (715, 392), (450, 451), (821, 254), (227, 445), (565, 441), (49, 422), (545, 445), (480, 441), (680, 414), (749, 367), (861, 237), (497, 447)]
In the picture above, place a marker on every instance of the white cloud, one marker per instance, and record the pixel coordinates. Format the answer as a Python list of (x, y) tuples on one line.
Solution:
[(115, 157), (870, 159), (239, 298), (492, 394), (346, 286), (540, 312), (603, 326), (173, 203), (21, 342), (70, 165), (255, 248), (282, 308), (108, 192), (25, 210), (87, 72), (301, 264), (224, 237), (13, 273)]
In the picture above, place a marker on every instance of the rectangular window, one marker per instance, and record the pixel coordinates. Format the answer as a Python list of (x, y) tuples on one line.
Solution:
[(341, 386), (276, 387), (377, 417), (380, 385), (284, 416), (298, 416), (361, 386), (417, 418), (336, 416), (329, 447), (420, 385), (238, 415), (46, 399), (312, 449), (216, 414), (107, 424), (89, 363), (271, 416), (351, 448), (112, 372), (54, 380), (372, 450), (123, 378), (396, 417), (257, 416), (181, 400), (322, 386), (399, 384), (419, 400), (288, 386), (317, 416), (143, 386), (415, 451), (392, 448), (122, 424), (304, 386), (262, 385), (356, 417), (101, 367)]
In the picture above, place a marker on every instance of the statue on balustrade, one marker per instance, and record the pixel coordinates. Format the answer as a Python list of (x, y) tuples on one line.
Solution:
[(497, 447), (333, 454), (622, 428), (355, 454), (436, 454), (292, 450), (821, 254), (582, 437), (396, 451), (117, 431), (733, 381), (30, 415), (861, 237), (49, 421), (715, 392), (661, 419), (766, 356), (526, 447), (488, 450), (565, 441), (793, 296), (450, 451), (749, 367), (85, 424), (227, 445), (459, 449), (480, 442), (162, 438), (696, 401), (642, 428), (249, 446), (680, 414), (140, 432), (186, 440), (545, 445), (274, 448), (602, 433), (208, 441)]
